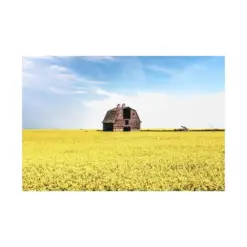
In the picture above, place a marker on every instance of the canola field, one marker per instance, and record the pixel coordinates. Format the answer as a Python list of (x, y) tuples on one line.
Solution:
[(79, 160)]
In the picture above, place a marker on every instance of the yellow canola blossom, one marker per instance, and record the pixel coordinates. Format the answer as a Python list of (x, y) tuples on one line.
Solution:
[(77, 160)]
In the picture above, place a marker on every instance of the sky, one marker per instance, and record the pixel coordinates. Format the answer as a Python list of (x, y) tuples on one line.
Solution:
[(167, 91)]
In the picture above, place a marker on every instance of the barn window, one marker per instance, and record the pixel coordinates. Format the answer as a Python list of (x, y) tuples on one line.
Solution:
[(126, 122), (133, 113), (126, 113)]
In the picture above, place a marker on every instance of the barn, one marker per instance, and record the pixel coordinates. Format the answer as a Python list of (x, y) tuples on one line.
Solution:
[(121, 118)]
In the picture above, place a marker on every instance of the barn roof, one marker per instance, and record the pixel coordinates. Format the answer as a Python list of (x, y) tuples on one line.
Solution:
[(110, 116)]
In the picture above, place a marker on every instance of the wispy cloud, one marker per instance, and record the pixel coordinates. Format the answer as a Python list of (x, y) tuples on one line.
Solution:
[(66, 91), (176, 71), (100, 91), (191, 77), (165, 70), (27, 63), (66, 76), (54, 78), (94, 82), (59, 68), (99, 58), (25, 74)]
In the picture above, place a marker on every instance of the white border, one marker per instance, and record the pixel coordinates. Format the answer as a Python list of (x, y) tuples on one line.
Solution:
[(126, 28)]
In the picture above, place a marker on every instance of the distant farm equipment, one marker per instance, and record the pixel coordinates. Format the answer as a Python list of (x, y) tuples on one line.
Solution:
[(183, 128)]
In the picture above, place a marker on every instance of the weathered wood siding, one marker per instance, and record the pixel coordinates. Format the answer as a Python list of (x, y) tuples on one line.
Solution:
[(119, 122), (134, 122)]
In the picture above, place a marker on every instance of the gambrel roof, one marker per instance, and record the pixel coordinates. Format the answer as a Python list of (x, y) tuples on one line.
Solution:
[(111, 114)]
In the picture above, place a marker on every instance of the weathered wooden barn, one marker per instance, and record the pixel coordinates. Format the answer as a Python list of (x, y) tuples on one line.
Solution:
[(121, 118)]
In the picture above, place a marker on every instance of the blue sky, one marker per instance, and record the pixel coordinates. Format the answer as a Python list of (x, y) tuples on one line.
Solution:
[(75, 92)]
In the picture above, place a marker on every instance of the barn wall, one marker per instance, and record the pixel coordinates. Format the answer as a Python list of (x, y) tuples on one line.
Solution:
[(119, 122), (134, 122), (118, 129)]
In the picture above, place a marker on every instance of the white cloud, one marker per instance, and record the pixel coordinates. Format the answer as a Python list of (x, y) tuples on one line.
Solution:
[(59, 68), (66, 91), (160, 110), (156, 110), (79, 92), (66, 76), (54, 78), (99, 58), (25, 74), (94, 82), (178, 73), (162, 69), (27, 64), (100, 91)]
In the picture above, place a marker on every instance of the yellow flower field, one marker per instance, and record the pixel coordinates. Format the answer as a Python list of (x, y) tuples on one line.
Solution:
[(79, 160)]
